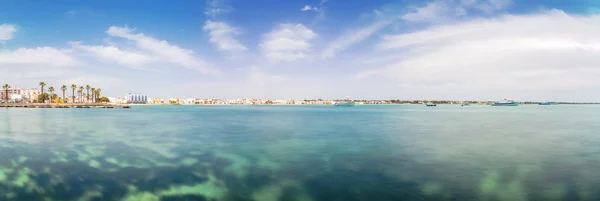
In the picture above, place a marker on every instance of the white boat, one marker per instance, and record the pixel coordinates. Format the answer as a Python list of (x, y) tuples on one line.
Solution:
[(346, 102), (506, 102)]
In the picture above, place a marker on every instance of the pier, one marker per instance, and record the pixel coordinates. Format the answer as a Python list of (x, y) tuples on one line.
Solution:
[(64, 105)]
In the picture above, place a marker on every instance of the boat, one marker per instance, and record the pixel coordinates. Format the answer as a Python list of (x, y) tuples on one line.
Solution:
[(465, 104), (431, 105), (346, 102), (547, 103), (506, 102)]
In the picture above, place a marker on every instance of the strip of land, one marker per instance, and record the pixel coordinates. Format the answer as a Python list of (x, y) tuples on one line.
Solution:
[(64, 105)]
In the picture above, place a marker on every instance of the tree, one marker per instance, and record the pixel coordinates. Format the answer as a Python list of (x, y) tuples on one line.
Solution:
[(93, 95), (80, 93), (64, 88), (103, 99), (5, 87), (87, 93), (51, 89), (42, 84), (73, 87), (97, 93), (43, 96)]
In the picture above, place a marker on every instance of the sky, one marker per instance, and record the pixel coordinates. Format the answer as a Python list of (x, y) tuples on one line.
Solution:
[(547, 50)]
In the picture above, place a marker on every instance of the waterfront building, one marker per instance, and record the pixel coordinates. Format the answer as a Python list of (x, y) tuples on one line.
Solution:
[(18, 95), (156, 101), (281, 102), (133, 98), (118, 100)]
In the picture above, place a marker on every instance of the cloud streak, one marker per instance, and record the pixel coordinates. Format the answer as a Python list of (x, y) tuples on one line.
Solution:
[(380, 18), (113, 53), (352, 37), (447, 10), (162, 50), (222, 35)]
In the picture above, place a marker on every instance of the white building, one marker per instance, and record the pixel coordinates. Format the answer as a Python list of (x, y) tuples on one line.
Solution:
[(118, 100), (137, 98), (16, 94)]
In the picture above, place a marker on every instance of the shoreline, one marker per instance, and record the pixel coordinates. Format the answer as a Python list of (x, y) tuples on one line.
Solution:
[(473, 104), (113, 105), (64, 105)]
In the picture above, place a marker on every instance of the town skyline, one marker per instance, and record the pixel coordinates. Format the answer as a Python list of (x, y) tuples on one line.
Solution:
[(34, 95), (329, 49)]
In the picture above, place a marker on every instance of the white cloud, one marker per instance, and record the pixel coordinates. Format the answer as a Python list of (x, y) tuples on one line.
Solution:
[(222, 35), (7, 32), (41, 57), (113, 53), (546, 51), (309, 8), (287, 42), (216, 7), (445, 10), (163, 51)]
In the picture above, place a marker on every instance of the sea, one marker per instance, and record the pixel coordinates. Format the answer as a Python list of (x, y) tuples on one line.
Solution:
[(301, 153)]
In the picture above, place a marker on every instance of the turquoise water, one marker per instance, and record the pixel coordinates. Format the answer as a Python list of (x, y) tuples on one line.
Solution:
[(303, 153)]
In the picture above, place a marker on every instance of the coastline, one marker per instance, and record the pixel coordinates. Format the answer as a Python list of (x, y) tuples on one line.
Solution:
[(472, 104), (63, 105)]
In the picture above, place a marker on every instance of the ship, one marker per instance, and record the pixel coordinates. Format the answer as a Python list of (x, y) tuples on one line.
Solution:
[(431, 105), (465, 104), (547, 103), (506, 102), (346, 102)]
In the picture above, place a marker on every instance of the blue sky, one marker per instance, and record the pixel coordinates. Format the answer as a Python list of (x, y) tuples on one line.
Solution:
[(376, 49)]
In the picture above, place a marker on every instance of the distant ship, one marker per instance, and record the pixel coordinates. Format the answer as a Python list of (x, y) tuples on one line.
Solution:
[(431, 105), (346, 102), (547, 103), (505, 102), (465, 104)]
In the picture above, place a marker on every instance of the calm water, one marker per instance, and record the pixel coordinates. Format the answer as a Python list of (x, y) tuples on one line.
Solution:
[(303, 153)]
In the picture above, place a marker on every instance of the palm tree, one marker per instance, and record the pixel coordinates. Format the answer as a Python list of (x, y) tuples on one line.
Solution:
[(73, 87), (97, 92), (5, 87), (42, 84), (93, 95), (87, 93), (64, 88), (51, 90), (81, 93)]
